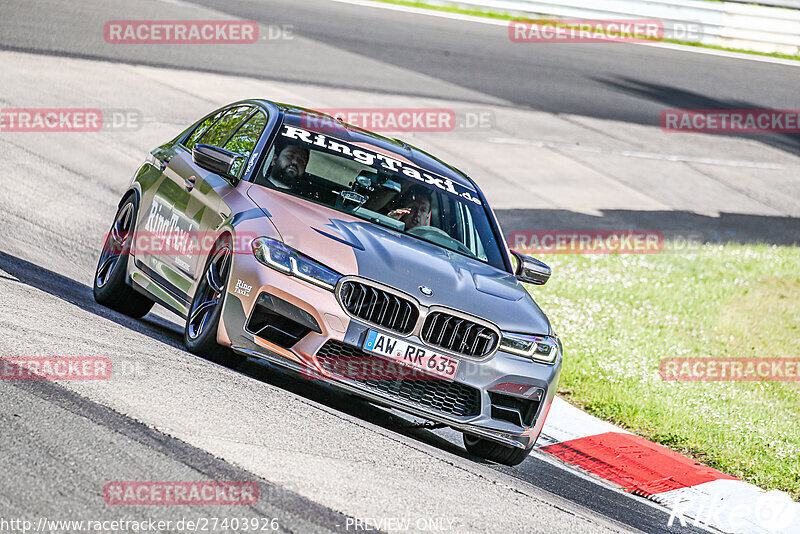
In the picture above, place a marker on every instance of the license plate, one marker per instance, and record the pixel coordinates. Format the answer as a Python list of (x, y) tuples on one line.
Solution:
[(410, 355)]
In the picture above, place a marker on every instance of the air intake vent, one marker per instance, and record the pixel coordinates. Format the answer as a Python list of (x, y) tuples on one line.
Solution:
[(431, 393), (280, 322), (515, 410), (459, 335), (378, 306)]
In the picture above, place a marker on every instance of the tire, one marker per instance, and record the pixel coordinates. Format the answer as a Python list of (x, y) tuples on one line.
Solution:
[(110, 287), (496, 452), (202, 321)]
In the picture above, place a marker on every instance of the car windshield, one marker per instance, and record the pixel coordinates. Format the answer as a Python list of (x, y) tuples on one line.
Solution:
[(366, 183)]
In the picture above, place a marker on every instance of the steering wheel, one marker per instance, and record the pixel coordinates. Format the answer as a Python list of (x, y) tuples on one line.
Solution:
[(437, 235)]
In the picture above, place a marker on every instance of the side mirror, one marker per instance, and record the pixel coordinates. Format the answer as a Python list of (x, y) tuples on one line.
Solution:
[(531, 270), (217, 160)]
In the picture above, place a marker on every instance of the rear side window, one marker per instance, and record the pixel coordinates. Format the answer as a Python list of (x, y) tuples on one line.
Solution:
[(225, 126), (245, 139), (202, 128)]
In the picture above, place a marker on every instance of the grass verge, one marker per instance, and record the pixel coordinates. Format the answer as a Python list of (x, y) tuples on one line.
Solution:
[(618, 315), (506, 16)]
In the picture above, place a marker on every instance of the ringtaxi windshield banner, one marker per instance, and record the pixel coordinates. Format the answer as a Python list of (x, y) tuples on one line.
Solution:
[(331, 145)]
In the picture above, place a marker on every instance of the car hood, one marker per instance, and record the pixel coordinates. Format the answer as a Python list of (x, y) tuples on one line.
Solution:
[(353, 246)]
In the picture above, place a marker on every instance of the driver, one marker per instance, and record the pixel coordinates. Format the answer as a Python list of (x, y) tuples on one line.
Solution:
[(289, 167), (414, 207)]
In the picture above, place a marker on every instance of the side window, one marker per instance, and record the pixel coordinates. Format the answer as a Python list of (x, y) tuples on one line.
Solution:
[(244, 140), (473, 240), (225, 126), (201, 129), (450, 219), (261, 177)]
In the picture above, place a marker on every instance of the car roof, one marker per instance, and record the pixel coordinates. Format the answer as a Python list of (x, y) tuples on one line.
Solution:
[(354, 134)]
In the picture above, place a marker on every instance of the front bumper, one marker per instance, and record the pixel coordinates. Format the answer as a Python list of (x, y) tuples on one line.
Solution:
[(492, 375)]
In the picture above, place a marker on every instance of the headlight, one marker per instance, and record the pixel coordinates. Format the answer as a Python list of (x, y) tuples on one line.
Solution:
[(542, 349), (288, 261)]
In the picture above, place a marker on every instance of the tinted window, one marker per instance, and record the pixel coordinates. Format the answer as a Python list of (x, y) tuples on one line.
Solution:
[(244, 140), (224, 127), (201, 129)]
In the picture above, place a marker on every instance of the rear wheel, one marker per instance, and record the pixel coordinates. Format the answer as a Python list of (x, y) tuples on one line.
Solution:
[(496, 452), (110, 287), (202, 323)]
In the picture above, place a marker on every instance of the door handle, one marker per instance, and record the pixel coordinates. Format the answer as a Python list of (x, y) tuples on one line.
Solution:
[(164, 161), (190, 181), (157, 162)]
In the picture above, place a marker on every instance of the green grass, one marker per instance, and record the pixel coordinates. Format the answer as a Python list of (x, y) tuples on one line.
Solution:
[(618, 315), (506, 16)]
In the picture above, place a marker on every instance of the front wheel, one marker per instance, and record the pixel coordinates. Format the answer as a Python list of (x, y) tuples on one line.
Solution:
[(496, 452), (202, 323), (110, 287)]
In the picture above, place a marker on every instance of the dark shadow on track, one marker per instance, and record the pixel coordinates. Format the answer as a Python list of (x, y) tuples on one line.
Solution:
[(727, 228), (320, 392), (81, 296), (673, 97), (282, 76)]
